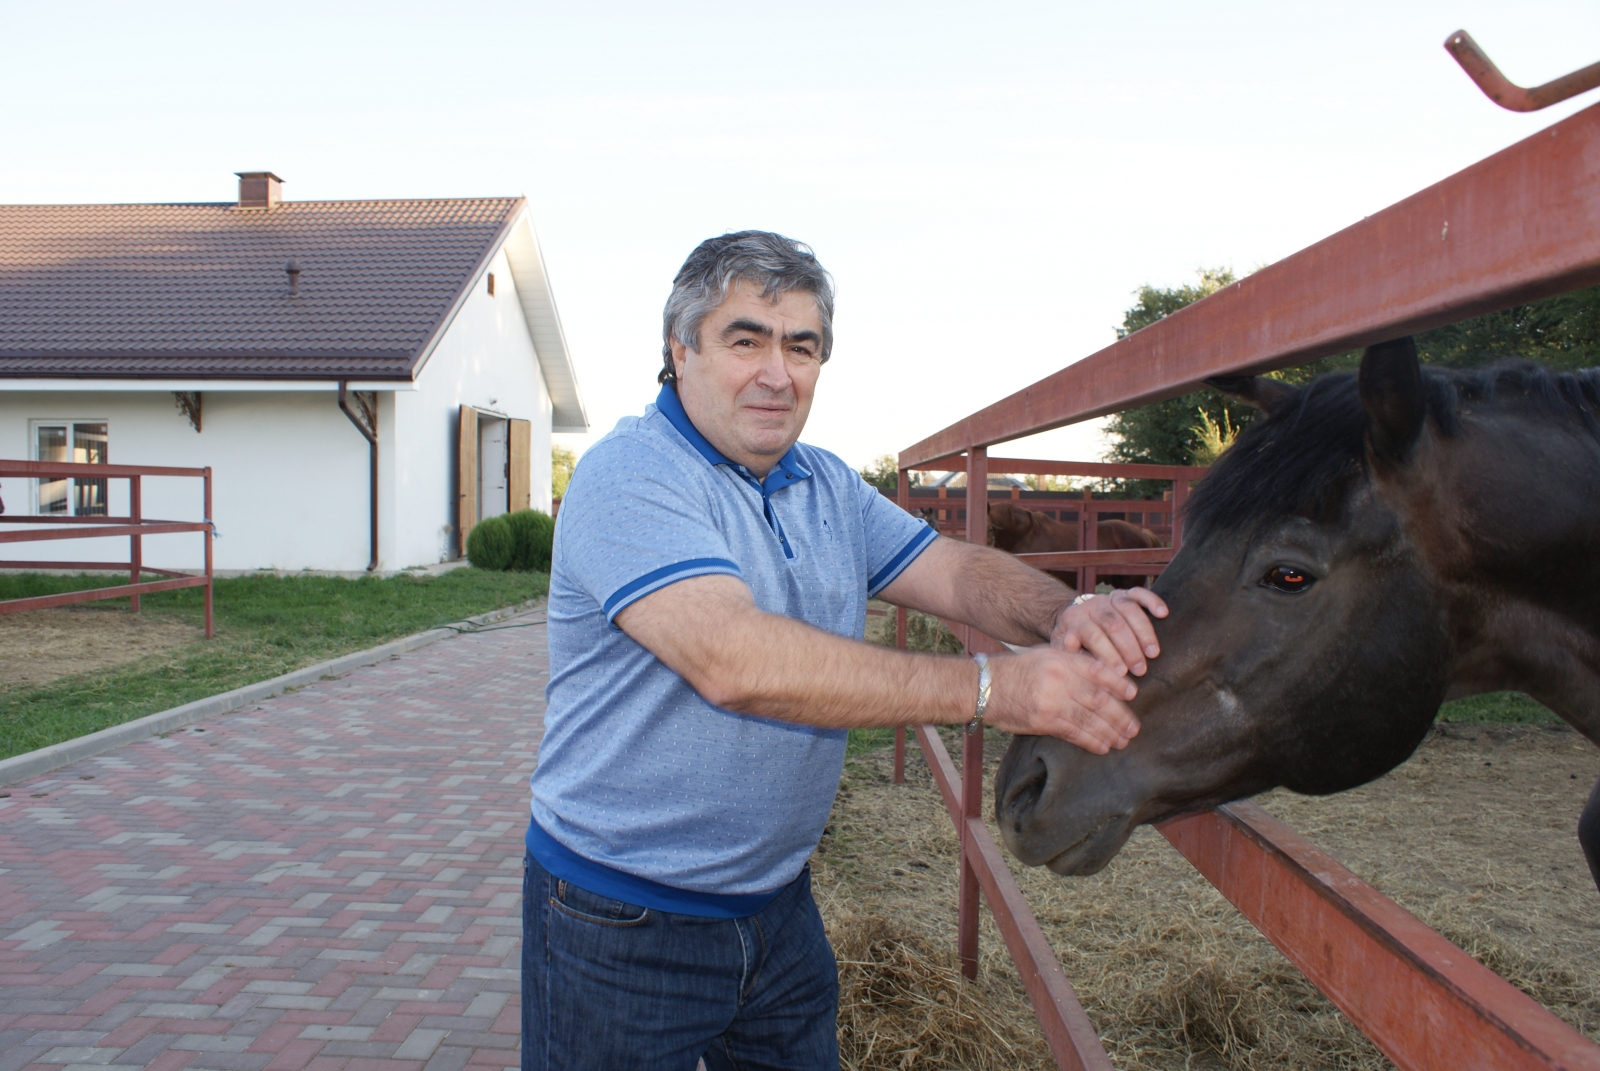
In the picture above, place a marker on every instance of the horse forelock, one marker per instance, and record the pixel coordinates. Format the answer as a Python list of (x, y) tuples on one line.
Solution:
[(1304, 458)]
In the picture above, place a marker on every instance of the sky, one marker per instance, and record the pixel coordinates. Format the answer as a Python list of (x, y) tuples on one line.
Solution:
[(988, 183)]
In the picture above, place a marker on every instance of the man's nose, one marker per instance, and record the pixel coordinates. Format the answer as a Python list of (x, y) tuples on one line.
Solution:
[(773, 373)]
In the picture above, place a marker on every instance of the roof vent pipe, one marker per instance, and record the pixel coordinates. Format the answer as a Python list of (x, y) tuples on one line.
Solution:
[(259, 189), (293, 270)]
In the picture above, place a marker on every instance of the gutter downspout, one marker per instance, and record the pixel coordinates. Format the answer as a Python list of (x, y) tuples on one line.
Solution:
[(366, 422)]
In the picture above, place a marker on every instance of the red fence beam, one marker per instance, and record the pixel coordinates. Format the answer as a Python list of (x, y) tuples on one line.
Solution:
[(1156, 557), (147, 528), (60, 469), (1423, 1001), (1066, 1026), (70, 598), (1115, 470), (1519, 225)]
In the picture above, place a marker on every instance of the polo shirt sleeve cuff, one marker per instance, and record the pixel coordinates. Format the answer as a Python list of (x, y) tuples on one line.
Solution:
[(897, 565), (656, 579)]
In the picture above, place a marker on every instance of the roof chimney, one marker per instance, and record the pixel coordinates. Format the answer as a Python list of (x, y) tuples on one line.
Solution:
[(259, 189)]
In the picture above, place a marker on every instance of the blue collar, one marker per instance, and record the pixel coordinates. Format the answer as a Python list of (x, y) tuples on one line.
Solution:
[(787, 470)]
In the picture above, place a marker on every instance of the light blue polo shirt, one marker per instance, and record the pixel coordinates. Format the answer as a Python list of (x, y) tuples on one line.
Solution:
[(645, 792)]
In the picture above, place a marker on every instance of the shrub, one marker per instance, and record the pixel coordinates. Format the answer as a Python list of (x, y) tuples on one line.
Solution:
[(490, 544), (533, 534)]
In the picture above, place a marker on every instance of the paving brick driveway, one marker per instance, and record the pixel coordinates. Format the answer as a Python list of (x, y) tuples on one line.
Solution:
[(331, 879)]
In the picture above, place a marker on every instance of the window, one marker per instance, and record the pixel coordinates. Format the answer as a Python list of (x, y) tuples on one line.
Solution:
[(491, 284), (83, 442)]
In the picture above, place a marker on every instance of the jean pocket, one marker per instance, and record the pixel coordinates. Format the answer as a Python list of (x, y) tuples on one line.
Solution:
[(586, 906)]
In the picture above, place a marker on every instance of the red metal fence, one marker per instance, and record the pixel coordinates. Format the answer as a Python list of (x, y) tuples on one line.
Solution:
[(135, 526), (1520, 225)]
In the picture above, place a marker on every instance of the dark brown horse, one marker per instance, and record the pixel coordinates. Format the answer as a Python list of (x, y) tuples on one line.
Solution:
[(1023, 531), (1347, 567)]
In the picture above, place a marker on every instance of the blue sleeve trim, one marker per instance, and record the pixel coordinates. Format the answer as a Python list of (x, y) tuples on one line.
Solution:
[(667, 574), (908, 553)]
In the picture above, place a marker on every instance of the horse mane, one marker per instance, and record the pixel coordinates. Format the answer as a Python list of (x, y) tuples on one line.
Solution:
[(1302, 458)]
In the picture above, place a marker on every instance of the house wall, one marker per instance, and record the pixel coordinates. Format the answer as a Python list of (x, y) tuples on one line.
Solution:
[(486, 360), (289, 476)]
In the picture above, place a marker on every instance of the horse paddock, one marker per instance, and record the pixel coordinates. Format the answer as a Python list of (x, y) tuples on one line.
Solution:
[(1474, 835)]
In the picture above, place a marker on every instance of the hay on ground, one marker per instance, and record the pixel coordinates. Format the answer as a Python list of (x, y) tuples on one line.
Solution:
[(1473, 835)]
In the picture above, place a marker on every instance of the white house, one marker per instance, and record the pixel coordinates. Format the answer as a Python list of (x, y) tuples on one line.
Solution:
[(270, 340)]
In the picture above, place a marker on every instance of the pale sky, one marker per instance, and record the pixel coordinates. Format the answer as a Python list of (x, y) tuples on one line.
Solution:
[(988, 183)]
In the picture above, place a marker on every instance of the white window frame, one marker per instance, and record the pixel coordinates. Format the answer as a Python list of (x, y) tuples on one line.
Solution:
[(35, 507)]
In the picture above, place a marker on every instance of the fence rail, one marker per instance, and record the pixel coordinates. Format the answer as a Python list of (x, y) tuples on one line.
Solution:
[(135, 527)]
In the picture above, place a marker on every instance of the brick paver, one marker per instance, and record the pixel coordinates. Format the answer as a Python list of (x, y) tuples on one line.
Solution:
[(331, 879)]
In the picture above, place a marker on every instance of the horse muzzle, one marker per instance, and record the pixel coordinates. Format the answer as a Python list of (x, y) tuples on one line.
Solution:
[(1061, 807)]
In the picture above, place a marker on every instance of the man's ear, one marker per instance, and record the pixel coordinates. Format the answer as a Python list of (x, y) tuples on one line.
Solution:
[(679, 357), (1394, 397), (1268, 395)]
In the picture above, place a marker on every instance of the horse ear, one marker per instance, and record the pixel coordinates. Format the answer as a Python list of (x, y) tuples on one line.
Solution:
[(1394, 397), (1265, 394)]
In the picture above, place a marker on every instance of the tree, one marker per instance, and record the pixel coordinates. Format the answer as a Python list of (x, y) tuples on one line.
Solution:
[(1562, 332), (883, 472), (562, 461), (1189, 430)]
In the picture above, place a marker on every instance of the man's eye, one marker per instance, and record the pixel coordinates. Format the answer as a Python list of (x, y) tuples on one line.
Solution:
[(1288, 578)]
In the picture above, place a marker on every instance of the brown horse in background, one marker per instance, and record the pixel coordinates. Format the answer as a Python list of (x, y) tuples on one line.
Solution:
[(1022, 531)]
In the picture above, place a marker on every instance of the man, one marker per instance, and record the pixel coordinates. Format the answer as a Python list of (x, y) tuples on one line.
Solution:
[(707, 602)]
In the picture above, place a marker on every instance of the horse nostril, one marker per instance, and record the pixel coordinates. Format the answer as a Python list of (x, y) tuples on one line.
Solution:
[(1025, 792)]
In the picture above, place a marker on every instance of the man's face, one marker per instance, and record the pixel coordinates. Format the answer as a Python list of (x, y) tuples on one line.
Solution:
[(748, 388)]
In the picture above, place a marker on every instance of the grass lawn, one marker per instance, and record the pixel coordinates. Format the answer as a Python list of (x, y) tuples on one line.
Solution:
[(265, 626)]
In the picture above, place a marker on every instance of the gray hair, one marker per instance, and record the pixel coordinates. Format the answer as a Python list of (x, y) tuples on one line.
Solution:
[(777, 264)]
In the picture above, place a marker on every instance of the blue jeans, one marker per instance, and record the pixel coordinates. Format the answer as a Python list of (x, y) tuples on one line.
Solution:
[(608, 986)]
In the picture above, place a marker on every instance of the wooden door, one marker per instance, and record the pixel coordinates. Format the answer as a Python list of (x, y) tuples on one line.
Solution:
[(466, 477), (520, 472)]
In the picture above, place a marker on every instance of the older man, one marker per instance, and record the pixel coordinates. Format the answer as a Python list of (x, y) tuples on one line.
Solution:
[(707, 602)]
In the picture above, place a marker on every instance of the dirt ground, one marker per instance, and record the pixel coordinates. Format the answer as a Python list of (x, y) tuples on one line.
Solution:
[(1475, 835), (42, 645)]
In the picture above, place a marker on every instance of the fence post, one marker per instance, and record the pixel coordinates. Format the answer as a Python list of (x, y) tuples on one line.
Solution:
[(1091, 541), (903, 495), (1180, 495), (972, 743), (135, 541), (210, 532), (1085, 520)]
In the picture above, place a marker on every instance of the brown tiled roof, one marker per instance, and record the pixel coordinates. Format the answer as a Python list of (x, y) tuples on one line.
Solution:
[(199, 290)]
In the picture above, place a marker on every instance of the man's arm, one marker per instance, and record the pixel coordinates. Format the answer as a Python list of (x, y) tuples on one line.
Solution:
[(709, 631), (1016, 603)]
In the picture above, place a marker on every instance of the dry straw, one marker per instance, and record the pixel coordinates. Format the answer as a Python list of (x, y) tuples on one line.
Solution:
[(1171, 975)]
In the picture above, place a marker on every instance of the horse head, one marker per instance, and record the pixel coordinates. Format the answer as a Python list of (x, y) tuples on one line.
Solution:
[(1009, 525), (1347, 566)]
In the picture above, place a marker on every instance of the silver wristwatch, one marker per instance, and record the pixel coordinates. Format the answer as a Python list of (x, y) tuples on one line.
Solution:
[(984, 675)]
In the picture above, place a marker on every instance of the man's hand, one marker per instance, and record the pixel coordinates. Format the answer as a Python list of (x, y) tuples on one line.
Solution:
[(1114, 629), (1070, 695)]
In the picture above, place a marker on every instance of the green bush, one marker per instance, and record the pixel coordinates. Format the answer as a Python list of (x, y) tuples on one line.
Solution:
[(533, 533), (490, 544), (519, 541)]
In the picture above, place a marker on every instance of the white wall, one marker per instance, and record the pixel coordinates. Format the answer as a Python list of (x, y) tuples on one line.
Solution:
[(486, 360), (289, 476)]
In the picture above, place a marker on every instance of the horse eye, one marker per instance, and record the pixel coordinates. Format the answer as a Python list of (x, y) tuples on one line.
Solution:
[(1288, 579)]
